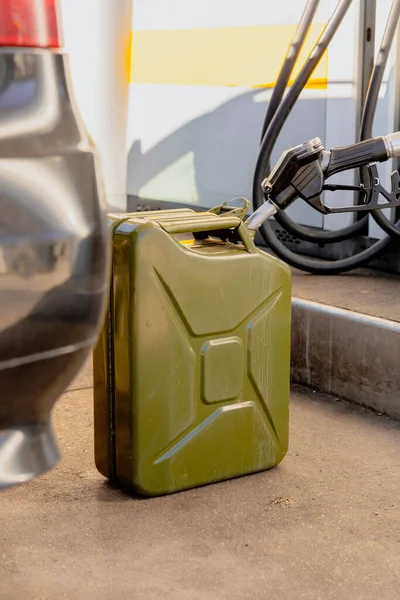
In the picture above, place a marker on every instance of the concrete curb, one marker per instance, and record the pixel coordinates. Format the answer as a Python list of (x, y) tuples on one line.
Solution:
[(351, 355)]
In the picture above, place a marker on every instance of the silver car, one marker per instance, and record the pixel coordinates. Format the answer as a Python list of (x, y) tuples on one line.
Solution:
[(53, 236)]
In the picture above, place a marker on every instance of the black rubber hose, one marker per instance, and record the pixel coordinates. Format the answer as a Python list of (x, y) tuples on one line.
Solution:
[(391, 229), (289, 62), (300, 262), (367, 120), (323, 267), (276, 124)]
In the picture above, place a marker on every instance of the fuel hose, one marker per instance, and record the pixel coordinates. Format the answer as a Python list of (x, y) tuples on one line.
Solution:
[(367, 119), (273, 129)]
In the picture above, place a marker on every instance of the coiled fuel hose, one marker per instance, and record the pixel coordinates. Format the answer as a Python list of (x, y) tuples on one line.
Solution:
[(274, 121)]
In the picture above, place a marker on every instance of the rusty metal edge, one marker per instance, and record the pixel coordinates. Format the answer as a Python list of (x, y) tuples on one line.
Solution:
[(350, 355)]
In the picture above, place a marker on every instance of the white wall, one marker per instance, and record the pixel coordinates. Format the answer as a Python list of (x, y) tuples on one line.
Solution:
[(198, 144), (97, 34)]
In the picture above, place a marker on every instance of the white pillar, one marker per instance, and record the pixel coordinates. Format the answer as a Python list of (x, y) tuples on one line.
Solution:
[(97, 39)]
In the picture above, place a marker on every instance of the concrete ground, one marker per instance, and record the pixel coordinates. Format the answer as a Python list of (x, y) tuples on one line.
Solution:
[(324, 524), (366, 291)]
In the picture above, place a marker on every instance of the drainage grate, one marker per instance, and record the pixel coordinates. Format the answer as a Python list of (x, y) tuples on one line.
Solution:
[(286, 237)]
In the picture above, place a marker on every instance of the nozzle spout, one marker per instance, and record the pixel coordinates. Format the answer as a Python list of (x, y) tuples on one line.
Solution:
[(258, 217)]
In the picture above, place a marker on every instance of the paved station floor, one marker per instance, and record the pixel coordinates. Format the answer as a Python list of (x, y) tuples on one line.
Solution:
[(323, 525), (366, 291)]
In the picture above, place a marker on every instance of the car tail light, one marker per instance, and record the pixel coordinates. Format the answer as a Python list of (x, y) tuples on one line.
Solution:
[(30, 23)]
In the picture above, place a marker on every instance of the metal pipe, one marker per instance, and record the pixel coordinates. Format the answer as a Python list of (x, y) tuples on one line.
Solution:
[(375, 83)]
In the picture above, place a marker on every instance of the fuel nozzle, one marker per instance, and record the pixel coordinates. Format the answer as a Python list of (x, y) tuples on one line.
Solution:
[(301, 172), (258, 217), (297, 166)]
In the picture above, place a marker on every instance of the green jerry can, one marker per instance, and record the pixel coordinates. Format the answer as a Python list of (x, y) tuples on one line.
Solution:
[(191, 370)]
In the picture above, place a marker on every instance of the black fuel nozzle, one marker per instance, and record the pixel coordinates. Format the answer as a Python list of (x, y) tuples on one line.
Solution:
[(301, 172), (297, 169), (297, 173)]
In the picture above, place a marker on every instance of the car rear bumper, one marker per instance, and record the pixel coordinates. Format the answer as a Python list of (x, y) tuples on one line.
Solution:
[(54, 259)]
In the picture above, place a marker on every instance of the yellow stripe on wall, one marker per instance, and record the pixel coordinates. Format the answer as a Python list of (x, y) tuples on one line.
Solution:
[(231, 56)]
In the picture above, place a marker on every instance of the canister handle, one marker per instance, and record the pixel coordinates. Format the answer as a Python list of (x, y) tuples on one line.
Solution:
[(219, 225)]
